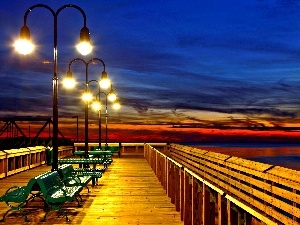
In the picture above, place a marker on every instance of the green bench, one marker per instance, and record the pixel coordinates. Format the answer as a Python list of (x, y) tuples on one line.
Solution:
[(71, 178), (16, 197), (95, 173), (56, 194), (112, 149), (100, 154), (82, 161)]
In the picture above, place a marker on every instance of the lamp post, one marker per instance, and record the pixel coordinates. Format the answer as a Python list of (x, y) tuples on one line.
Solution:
[(112, 97), (24, 46), (103, 82), (76, 127), (97, 106)]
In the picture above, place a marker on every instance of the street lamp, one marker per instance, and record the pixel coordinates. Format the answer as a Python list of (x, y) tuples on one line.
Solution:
[(24, 46), (87, 95), (111, 96), (97, 106), (116, 105), (76, 127)]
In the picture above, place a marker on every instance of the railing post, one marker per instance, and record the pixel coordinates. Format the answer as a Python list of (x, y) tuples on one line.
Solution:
[(228, 206), (166, 174), (181, 192), (155, 162), (221, 210), (193, 206), (206, 205)]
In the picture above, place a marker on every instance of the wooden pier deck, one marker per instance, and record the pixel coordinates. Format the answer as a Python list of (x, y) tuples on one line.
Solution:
[(128, 193)]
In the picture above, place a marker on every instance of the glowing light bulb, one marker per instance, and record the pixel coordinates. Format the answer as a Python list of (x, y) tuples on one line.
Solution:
[(87, 97), (84, 48), (112, 97), (116, 105), (69, 83), (104, 83), (24, 46), (96, 105)]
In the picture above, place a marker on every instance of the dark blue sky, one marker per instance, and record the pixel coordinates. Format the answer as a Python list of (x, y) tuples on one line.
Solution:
[(212, 63)]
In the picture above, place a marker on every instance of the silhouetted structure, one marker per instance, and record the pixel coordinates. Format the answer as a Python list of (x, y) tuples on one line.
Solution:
[(12, 136)]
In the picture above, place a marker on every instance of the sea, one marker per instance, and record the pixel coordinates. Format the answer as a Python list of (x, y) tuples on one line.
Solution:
[(279, 154)]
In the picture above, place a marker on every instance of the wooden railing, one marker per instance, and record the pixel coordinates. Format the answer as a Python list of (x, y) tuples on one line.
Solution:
[(13, 161), (126, 148), (212, 188)]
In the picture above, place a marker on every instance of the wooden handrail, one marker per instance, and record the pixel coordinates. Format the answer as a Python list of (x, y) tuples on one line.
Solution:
[(269, 193)]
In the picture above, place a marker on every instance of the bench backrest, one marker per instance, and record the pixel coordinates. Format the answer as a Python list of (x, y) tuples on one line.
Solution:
[(20, 194), (49, 180), (112, 148), (66, 170), (33, 185)]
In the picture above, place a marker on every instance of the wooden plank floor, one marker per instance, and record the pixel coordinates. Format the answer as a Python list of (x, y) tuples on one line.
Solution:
[(128, 193)]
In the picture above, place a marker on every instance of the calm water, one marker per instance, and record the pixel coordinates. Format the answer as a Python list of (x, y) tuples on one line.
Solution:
[(285, 155)]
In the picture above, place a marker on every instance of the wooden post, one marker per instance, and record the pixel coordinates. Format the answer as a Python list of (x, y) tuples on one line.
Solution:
[(197, 203), (222, 215), (177, 185), (187, 214), (181, 192), (228, 212), (166, 174), (206, 205)]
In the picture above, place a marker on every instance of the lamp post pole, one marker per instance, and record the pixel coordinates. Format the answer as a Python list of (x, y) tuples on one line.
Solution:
[(99, 127), (112, 95), (25, 31), (99, 114), (106, 113), (106, 120), (76, 127), (86, 111)]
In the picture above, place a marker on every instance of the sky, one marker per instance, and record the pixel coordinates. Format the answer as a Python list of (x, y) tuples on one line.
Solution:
[(184, 71)]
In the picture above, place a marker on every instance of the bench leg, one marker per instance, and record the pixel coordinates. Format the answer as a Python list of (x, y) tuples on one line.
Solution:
[(35, 195), (65, 213), (20, 210), (60, 210), (78, 199)]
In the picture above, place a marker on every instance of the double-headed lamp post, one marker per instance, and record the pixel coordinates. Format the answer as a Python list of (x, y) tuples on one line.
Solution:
[(116, 105), (24, 46), (87, 97), (76, 127), (97, 106)]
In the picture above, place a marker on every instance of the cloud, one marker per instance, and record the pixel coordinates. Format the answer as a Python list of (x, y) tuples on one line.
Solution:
[(170, 62)]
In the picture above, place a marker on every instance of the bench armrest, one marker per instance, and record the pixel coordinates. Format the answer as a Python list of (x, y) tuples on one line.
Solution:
[(55, 194), (72, 180), (14, 194)]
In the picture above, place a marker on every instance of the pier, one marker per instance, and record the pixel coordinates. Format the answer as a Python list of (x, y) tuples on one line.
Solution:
[(159, 183), (128, 193)]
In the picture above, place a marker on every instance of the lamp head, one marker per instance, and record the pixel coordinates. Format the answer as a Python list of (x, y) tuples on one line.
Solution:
[(69, 81), (87, 96), (112, 95), (24, 45), (96, 105), (104, 81), (84, 46), (25, 33), (116, 105)]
